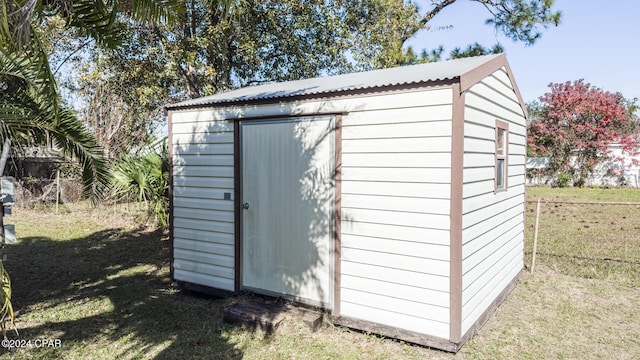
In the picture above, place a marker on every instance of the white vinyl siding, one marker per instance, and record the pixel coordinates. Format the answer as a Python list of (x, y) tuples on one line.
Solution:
[(203, 220), (396, 172), (493, 222)]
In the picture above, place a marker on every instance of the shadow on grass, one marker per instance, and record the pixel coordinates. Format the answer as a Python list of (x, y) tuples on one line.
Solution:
[(108, 295)]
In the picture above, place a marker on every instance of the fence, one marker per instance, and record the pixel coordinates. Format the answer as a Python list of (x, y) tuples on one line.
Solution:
[(587, 239), (31, 192)]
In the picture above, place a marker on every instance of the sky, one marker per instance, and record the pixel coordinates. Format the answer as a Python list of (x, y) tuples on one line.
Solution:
[(596, 41)]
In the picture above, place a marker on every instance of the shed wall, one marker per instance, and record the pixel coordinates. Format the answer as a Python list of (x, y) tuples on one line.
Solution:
[(396, 173), (395, 202), (397, 267), (493, 222), (203, 220)]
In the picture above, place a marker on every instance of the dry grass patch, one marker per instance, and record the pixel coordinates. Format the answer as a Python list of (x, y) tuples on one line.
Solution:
[(555, 316), (588, 240)]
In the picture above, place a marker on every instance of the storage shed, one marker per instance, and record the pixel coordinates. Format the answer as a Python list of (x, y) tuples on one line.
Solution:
[(393, 199)]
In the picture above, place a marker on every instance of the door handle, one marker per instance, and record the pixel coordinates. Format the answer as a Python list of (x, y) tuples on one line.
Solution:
[(245, 206)]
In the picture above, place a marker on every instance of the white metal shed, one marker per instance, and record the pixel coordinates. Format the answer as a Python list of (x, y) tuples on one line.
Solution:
[(392, 198)]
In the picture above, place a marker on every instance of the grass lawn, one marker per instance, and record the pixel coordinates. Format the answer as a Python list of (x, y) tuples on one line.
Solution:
[(99, 283), (584, 194)]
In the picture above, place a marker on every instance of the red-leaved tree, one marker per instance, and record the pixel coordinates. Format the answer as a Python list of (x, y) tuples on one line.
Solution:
[(574, 126)]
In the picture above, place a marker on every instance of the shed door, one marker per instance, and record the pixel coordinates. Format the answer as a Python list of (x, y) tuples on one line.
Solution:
[(288, 200)]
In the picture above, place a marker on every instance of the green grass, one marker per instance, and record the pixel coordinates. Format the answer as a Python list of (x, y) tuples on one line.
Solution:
[(99, 282), (583, 194)]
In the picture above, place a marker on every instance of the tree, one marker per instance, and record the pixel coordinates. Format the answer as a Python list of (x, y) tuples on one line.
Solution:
[(259, 41), (216, 48), (519, 20), (575, 124), (220, 46), (475, 49), (31, 111), (123, 97)]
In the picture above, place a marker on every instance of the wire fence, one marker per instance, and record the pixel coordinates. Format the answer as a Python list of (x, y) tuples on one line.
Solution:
[(588, 239), (32, 192)]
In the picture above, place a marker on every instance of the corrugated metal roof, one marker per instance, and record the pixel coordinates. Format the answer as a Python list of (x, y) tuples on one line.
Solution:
[(404, 75)]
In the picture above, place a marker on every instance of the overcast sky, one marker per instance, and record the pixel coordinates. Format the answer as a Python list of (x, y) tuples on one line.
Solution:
[(597, 41)]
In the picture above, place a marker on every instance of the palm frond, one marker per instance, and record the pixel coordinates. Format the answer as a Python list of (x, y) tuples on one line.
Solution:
[(74, 140), (95, 19), (157, 11), (30, 114), (28, 71), (15, 22)]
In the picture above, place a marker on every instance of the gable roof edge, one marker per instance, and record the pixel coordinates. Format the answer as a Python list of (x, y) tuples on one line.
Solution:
[(475, 75)]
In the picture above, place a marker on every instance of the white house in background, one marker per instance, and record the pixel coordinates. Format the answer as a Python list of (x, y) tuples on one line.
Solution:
[(393, 199), (622, 170)]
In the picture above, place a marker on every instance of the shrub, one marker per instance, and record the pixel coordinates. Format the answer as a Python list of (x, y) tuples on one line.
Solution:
[(144, 178), (564, 179)]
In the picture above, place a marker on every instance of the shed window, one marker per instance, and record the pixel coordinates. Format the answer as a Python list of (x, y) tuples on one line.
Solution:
[(502, 154)]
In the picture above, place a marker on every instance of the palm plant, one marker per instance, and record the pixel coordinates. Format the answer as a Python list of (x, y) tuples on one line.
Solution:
[(144, 178), (30, 113)]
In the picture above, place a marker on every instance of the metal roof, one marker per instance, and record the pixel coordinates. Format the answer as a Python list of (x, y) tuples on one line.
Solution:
[(404, 75)]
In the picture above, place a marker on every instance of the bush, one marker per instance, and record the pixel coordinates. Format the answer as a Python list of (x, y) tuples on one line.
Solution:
[(564, 179), (144, 178)]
